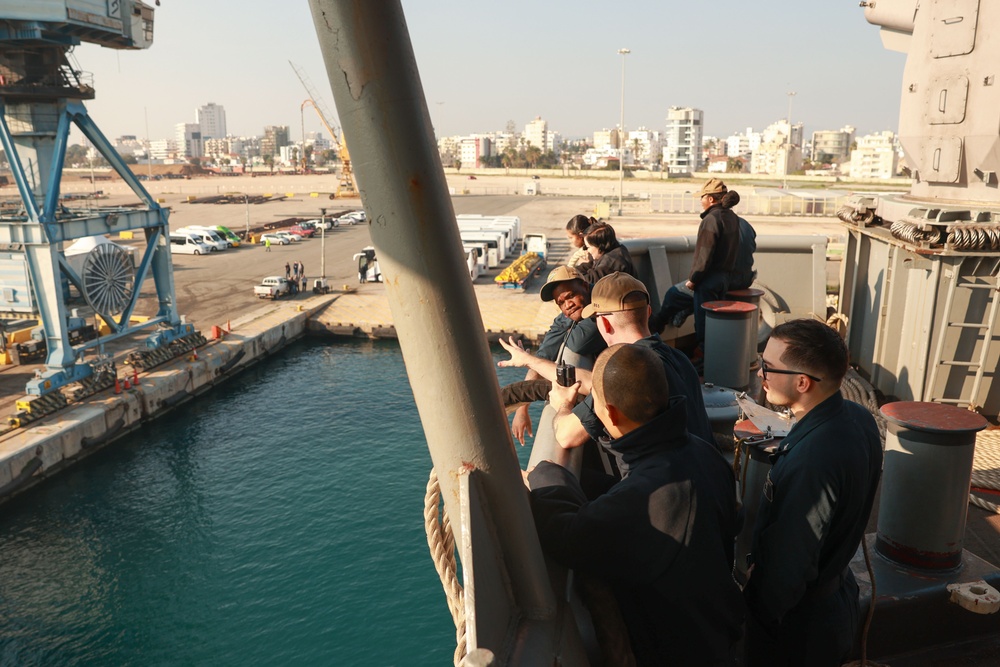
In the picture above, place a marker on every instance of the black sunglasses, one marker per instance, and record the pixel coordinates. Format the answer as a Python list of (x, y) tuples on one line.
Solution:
[(764, 370)]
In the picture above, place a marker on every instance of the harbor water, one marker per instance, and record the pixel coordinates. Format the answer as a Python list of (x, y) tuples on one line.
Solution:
[(275, 521)]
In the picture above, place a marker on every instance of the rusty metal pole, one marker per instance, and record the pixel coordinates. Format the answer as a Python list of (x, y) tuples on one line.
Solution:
[(380, 101)]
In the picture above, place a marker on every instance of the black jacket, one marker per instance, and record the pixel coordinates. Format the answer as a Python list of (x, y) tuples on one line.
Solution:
[(662, 537), (616, 259), (683, 380), (718, 243), (816, 503)]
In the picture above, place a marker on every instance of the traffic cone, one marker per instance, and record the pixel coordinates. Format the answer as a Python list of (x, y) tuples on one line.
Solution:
[(194, 356), (135, 376), (229, 326), (127, 385), (118, 386)]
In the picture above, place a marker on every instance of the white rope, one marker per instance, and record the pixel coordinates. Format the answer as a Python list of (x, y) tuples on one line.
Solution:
[(441, 541)]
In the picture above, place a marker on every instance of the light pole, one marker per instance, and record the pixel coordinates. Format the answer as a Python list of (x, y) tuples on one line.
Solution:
[(246, 201), (788, 151), (621, 136)]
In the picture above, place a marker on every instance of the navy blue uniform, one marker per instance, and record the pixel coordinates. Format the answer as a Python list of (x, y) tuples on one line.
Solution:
[(662, 538), (584, 339), (683, 380), (802, 598)]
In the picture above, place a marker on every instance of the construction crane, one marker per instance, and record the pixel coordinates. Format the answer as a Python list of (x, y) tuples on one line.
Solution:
[(347, 186)]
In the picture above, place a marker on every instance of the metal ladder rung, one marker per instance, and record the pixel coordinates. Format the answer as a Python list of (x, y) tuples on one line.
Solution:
[(976, 286), (967, 325), (954, 401), (966, 364)]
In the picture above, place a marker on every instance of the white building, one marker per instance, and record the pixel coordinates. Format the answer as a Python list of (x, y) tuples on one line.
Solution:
[(742, 145), (189, 143), (682, 149), (645, 145), (776, 158), (212, 119), (163, 149), (537, 133), (832, 145), (875, 156), (473, 149)]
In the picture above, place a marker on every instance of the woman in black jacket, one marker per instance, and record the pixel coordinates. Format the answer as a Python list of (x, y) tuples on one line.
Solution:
[(607, 254)]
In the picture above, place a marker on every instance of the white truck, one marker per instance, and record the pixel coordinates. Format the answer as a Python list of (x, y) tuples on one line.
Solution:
[(272, 287)]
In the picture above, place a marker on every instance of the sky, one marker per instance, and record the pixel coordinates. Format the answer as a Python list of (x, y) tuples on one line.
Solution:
[(483, 64)]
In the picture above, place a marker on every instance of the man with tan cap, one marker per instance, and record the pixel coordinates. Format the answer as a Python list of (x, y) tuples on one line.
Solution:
[(571, 292), (619, 305), (715, 256), (663, 537)]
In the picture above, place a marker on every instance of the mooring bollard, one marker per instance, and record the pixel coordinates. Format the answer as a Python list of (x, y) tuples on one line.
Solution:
[(727, 342)]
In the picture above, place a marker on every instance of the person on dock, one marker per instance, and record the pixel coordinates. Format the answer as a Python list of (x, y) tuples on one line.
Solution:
[(267, 244), (802, 599), (714, 260), (295, 271), (607, 254), (288, 271), (568, 289), (663, 536)]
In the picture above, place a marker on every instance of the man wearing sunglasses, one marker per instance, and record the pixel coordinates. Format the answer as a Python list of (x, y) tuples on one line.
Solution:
[(802, 599)]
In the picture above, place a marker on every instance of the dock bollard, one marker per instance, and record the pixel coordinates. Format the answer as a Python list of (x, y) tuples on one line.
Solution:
[(925, 483), (750, 296), (727, 334)]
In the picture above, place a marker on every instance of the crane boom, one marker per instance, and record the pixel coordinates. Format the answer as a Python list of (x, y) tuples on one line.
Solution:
[(348, 187), (317, 102)]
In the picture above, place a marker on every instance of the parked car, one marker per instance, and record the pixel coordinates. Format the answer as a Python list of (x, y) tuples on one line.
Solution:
[(272, 287), (360, 216), (290, 236), (325, 223), (207, 236), (275, 239), (186, 244), (304, 232)]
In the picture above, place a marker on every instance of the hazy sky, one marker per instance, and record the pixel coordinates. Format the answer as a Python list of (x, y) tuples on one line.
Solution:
[(483, 64)]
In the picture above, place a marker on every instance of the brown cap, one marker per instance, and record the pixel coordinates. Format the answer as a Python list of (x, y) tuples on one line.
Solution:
[(714, 186), (560, 274), (611, 295)]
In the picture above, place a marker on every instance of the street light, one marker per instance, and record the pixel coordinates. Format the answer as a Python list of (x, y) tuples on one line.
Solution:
[(621, 136), (788, 151)]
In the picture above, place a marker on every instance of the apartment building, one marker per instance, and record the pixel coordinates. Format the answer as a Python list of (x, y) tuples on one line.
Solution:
[(682, 140), (875, 157), (189, 141), (212, 119), (832, 145)]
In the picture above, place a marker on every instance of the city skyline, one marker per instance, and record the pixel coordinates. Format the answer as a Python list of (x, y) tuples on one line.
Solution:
[(501, 76)]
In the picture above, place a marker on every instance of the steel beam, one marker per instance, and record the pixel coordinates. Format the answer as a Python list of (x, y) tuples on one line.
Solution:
[(373, 73)]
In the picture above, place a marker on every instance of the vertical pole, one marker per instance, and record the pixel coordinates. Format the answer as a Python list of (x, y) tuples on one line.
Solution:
[(246, 202), (373, 73), (788, 150), (621, 136)]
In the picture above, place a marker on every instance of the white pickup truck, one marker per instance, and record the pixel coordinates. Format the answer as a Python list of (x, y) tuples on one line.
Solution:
[(271, 288)]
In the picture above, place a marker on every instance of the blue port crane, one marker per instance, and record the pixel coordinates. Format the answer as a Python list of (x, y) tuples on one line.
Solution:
[(42, 95)]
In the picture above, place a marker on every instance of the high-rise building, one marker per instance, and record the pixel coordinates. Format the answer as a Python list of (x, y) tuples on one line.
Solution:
[(473, 149), (832, 145), (189, 142), (682, 150), (537, 133), (275, 136), (212, 118)]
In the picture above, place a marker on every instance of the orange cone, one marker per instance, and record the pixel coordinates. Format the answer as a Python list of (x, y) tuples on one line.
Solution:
[(118, 386), (194, 357), (229, 326), (127, 385), (135, 376)]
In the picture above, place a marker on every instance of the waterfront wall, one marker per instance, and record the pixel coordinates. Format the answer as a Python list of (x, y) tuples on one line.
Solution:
[(28, 455)]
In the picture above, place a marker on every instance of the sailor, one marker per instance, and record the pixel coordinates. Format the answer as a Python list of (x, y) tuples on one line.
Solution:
[(663, 536), (607, 254), (619, 305), (802, 598), (715, 255), (568, 289)]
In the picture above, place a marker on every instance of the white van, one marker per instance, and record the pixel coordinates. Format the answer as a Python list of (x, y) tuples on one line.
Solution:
[(208, 237), (186, 244)]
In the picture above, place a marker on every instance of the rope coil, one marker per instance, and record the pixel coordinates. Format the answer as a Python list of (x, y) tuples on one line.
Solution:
[(974, 237), (909, 232), (441, 541)]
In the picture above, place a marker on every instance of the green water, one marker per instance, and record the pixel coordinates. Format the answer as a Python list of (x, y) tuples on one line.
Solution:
[(275, 521)]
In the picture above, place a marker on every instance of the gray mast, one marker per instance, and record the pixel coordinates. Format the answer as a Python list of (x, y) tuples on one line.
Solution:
[(380, 101)]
